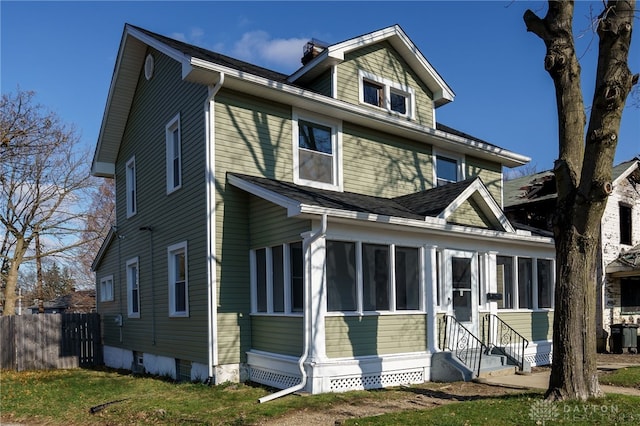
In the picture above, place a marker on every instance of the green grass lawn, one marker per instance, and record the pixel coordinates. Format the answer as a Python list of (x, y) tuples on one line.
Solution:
[(627, 377), (65, 397)]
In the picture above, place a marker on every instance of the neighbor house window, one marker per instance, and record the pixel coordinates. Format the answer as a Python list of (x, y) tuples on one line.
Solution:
[(174, 155), (278, 278), (625, 224), (386, 94), (133, 288), (630, 295), (106, 289), (389, 279), (130, 178), (178, 280), (545, 283), (316, 152), (447, 169)]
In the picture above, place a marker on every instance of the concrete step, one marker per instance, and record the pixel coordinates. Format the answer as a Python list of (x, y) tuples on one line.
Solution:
[(498, 371)]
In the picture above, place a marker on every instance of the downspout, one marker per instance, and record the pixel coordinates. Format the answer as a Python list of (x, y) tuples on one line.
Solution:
[(210, 179), (306, 244)]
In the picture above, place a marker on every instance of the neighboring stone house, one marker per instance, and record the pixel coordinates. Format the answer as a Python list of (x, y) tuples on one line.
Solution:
[(530, 201)]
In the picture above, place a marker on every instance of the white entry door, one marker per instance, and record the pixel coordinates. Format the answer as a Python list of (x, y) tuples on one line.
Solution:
[(461, 287)]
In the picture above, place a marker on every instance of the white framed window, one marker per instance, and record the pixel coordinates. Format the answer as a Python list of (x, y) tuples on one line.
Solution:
[(133, 288), (366, 277), (386, 94), (174, 154), (106, 289), (317, 151), (277, 279), (130, 178), (525, 282), (447, 168), (178, 280)]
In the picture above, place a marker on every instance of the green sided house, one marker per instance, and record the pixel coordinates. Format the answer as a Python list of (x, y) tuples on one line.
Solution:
[(317, 231)]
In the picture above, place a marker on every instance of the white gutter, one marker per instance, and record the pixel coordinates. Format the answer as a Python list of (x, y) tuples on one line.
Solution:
[(306, 244), (210, 180)]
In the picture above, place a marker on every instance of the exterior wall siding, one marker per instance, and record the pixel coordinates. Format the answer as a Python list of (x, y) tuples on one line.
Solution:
[(155, 103), (270, 226), (252, 136), (383, 61), (470, 214), (384, 165), (322, 84), (353, 336), (532, 325), (277, 334), (489, 172)]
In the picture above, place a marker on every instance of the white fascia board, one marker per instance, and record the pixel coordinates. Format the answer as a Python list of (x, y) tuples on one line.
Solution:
[(103, 249), (491, 208), (626, 173), (293, 207), (156, 44), (432, 225)]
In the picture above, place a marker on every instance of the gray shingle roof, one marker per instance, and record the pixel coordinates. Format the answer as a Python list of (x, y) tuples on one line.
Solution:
[(413, 206)]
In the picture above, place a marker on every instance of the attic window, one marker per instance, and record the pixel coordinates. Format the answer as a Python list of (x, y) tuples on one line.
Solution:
[(386, 94)]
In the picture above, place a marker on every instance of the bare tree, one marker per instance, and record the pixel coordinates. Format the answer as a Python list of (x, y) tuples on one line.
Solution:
[(101, 216), (44, 180), (583, 178)]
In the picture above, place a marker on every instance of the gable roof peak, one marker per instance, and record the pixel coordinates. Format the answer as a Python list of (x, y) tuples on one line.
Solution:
[(395, 35)]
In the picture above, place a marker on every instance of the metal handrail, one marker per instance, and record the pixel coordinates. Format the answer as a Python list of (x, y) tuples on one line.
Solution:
[(499, 335), (461, 342)]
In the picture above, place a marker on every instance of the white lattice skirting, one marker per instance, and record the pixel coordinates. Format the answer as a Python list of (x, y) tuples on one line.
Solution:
[(539, 353), (339, 375)]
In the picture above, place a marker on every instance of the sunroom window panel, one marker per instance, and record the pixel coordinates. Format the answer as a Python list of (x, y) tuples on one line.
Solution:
[(297, 276), (261, 280), (545, 283), (341, 276), (278, 278), (375, 269), (505, 285), (525, 283), (407, 270)]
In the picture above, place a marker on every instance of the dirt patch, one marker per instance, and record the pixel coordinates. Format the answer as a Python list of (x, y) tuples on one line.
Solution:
[(419, 397)]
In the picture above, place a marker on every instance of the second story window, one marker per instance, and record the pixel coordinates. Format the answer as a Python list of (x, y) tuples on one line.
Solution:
[(386, 94), (316, 152), (131, 195), (447, 169), (174, 155), (625, 224)]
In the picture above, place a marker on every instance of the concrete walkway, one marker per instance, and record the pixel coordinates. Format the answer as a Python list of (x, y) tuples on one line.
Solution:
[(540, 380)]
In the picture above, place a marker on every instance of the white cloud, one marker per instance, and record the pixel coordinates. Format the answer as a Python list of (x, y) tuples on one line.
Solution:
[(258, 47), (195, 36)]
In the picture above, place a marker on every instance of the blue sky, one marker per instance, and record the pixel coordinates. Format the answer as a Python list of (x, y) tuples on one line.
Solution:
[(66, 51)]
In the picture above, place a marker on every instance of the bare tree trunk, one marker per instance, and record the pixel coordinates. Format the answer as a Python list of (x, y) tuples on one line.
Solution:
[(583, 179), (12, 278)]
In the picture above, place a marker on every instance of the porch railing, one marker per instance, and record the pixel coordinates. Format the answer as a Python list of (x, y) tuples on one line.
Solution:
[(457, 339), (499, 335)]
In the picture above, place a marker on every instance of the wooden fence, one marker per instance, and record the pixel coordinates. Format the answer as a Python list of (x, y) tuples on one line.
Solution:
[(49, 341)]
